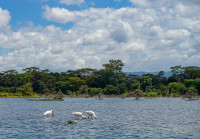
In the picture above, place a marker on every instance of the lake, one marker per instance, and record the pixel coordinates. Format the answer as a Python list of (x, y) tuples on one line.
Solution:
[(117, 118)]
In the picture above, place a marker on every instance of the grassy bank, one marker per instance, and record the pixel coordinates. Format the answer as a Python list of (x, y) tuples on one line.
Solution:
[(45, 99), (19, 95)]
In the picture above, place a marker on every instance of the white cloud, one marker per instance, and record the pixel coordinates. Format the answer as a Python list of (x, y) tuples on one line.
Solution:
[(72, 2), (5, 18), (140, 2), (60, 15), (145, 37)]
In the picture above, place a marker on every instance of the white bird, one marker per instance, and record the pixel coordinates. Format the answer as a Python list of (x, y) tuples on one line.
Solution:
[(78, 114), (49, 113), (91, 114)]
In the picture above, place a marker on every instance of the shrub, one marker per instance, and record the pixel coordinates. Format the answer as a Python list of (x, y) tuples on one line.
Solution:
[(94, 91), (152, 94), (111, 89), (121, 88), (192, 89), (135, 85), (190, 95), (189, 82), (137, 94), (177, 88), (99, 96), (164, 90), (83, 89), (54, 95)]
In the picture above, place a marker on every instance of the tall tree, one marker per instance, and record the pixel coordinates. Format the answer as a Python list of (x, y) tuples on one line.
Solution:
[(114, 68), (177, 72), (115, 65), (145, 82), (11, 79), (36, 76), (191, 72)]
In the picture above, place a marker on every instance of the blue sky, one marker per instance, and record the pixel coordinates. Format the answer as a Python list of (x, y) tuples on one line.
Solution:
[(147, 35), (23, 11)]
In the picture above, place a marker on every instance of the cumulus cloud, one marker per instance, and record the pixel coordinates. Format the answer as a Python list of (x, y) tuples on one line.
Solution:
[(145, 38), (5, 18), (72, 2), (60, 15)]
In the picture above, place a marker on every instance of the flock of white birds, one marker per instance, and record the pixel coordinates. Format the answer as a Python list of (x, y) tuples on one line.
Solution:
[(77, 115)]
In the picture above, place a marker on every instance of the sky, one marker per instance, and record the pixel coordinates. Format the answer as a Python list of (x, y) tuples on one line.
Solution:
[(61, 35)]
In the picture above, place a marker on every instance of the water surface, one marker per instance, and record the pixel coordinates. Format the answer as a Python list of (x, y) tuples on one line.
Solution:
[(117, 118)]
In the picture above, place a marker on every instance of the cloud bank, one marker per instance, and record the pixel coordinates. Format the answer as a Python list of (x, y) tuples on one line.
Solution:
[(72, 2), (5, 19), (150, 36)]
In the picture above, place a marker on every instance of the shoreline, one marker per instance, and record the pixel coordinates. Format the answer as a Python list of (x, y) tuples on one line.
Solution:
[(43, 98), (122, 96)]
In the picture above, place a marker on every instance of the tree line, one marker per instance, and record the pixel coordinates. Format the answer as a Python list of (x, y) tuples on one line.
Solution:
[(110, 80)]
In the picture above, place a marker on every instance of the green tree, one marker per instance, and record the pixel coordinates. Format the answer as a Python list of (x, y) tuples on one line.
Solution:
[(189, 82), (111, 89), (177, 72), (197, 85), (48, 79), (135, 86), (114, 68), (42, 88), (176, 87), (74, 83), (94, 91), (27, 89), (164, 90), (115, 65), (36, 76), (145, 82), (62, 85), (11, 79), (130, 82), (121, 88), (83, 89), (191, 72)]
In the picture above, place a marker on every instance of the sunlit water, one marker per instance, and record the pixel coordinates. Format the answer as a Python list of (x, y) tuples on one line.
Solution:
[(117, 118)]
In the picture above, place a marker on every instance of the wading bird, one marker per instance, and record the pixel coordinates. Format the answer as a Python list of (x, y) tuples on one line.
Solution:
[(78, 114), (49, 113), (91, 114)]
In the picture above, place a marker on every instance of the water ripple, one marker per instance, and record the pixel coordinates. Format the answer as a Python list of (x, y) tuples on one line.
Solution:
[(117, 118)]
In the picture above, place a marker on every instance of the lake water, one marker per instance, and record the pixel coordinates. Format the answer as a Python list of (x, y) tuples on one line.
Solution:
[(117, 118)]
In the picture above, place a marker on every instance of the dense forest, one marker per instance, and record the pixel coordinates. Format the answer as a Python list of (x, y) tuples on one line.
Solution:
[(110, 80)]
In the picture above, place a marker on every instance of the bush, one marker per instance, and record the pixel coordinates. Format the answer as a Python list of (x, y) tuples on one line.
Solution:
[(26, 89), (152, 94), (55, 95), (137, 94), (69, 92), (175, 94), (192, 89), (121, 88), (94, 91), (189, 82), (190, 95), (19, 95), (197, 84), (177, 88), (135, 85), (181, 89), (111, 89), (83, 89), (6, 89), (99, 96), (164, 90)]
